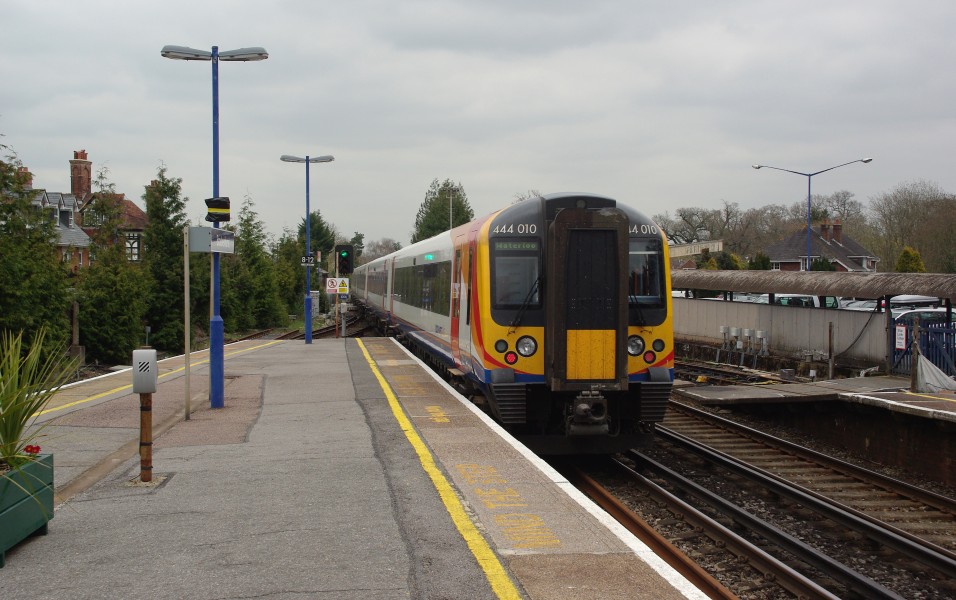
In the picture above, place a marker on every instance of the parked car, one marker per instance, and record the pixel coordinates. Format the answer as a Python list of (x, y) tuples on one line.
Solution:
[(926, 316), (897, 303)]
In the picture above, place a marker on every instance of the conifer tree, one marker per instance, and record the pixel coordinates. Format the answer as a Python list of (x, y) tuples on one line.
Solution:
[(432, 217), (34, 288), (163, 256), (112, 291)]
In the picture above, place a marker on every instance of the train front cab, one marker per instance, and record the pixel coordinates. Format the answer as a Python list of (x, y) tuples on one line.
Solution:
[(607, 364)]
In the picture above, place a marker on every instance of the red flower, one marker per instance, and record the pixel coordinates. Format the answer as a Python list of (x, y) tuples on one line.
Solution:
[(32, 450)]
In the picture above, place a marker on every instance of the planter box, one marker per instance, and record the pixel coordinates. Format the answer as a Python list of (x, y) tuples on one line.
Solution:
[(26, 502)]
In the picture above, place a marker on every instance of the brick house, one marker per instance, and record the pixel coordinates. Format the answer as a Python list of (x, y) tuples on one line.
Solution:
[(72, 242), (829, 242), (75, 217)]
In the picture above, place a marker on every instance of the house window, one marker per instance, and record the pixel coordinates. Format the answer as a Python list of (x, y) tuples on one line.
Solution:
[(132, 246), (774, 266)]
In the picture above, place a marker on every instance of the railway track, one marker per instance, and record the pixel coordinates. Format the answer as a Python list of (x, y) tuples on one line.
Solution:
[(693, 538), (926, 518), (771, 519), (709, 373)]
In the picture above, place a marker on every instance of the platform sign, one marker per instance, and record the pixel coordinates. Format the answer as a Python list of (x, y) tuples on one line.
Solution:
[(337, 285), (900, 337), (210, 239), (308, 261)]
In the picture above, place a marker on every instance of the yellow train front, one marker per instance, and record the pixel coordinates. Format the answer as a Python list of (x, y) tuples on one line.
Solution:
[(574, 337), (556, 309)]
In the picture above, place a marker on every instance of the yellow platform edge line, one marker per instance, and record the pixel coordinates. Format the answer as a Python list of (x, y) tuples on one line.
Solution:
[(495, 573), (130, 385)]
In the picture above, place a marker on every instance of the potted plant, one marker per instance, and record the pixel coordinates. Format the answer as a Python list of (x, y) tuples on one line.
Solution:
[(28, 381)]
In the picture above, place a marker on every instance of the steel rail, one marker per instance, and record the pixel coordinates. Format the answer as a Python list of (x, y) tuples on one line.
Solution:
[(927, 497), (856, 582), (691, 571), (920, 550)]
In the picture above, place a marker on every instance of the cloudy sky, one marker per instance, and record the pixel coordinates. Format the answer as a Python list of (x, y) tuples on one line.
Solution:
[(661, 105)]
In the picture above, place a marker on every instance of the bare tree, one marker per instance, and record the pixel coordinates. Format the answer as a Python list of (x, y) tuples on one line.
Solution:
[(917, 214), (379, 248)]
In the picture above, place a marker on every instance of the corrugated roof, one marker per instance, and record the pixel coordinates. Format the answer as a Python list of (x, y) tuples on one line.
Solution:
[(819, 283)]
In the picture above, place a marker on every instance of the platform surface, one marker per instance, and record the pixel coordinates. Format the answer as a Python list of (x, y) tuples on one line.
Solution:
[(308, 484), (889, 393)]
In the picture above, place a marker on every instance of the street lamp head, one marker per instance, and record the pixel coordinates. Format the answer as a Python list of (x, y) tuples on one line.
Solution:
[(240, 55), (312, 159), (244, 54), (756, 166), (185, 53), (866, 160)]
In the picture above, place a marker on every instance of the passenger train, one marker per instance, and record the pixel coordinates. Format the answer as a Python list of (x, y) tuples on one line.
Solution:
[(556, 311)]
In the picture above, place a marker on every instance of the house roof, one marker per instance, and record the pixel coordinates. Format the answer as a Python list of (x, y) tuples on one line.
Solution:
[(132, 217), (846, 251), (67, 235)]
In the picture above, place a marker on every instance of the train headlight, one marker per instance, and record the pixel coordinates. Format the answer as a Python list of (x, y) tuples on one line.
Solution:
[(526, 346), (658, 345), (635, 345)]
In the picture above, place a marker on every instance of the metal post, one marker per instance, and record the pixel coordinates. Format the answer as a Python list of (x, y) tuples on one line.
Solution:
[(914, 359), (832, 357), (186, 329), (145, 437), (216, 333), (308, 253), (809, 178)]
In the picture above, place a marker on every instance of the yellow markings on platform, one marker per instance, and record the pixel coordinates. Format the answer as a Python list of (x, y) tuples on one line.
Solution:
[(523, 530), (437, 415), (591, 354), (909, 393), (527, 530), (129, 386), (495, 573)]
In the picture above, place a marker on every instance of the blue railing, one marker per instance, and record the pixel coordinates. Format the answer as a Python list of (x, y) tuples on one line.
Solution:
[(937, 343)]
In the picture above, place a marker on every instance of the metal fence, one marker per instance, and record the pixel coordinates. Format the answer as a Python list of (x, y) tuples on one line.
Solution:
[(937, 343)]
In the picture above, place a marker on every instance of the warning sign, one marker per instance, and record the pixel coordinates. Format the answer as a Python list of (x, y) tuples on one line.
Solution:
[(337, 285)]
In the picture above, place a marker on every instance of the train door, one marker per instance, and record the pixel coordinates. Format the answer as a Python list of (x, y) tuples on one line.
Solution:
[(587, 323), (460, 328)]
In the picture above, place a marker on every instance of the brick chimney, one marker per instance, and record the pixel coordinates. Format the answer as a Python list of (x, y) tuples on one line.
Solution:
[(825, 230), (81, 175), (24, 175), (837, 231)]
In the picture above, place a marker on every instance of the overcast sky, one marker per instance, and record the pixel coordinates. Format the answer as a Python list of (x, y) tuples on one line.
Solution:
[(660, 105)]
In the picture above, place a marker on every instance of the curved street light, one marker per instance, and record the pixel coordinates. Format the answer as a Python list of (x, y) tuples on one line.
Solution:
[(809, 176), (216, 333), (308, 235)]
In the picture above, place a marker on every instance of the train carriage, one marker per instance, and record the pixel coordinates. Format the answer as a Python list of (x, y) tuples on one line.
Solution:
[(555, 309)]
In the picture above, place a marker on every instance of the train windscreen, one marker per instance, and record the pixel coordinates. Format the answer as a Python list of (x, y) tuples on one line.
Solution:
[(516, 273), (645, 283)]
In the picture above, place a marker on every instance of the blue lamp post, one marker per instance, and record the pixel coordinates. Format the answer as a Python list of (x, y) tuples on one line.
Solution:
[(308, 236), (216, 334), (809, 176)]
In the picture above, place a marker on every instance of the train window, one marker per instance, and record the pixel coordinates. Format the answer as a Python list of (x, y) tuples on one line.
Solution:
[(516, 272), (646, 273)]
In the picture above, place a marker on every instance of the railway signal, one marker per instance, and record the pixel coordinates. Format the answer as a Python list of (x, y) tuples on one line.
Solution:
[(344, 256)]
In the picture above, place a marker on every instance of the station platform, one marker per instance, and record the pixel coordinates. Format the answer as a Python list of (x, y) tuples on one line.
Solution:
[(888, 393), (338, 469)]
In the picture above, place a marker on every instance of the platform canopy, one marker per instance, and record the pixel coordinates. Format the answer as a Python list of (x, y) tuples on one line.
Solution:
[(818, 283)]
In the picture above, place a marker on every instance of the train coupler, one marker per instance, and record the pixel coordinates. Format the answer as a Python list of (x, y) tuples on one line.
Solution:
[(588, 415)]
